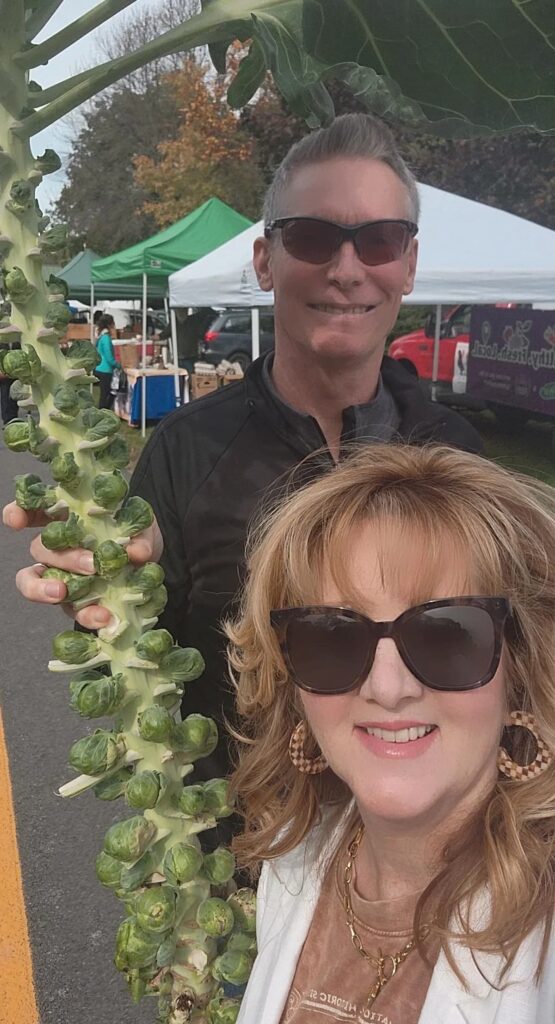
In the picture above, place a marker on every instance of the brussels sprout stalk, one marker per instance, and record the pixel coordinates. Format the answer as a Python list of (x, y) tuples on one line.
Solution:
[(178, 937)]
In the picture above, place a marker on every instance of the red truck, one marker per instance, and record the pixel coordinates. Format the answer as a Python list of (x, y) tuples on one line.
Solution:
[(416, 350)]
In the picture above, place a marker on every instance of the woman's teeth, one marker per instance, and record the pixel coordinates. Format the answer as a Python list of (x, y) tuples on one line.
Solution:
[(401, 735)]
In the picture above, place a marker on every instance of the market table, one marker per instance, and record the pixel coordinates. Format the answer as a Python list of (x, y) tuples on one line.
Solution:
[(160, 393)]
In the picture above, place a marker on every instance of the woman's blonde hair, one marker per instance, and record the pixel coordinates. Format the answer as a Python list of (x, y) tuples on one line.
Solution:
[(503, 526)]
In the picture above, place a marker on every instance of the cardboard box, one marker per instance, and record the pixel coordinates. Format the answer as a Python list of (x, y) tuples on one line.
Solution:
[(230, 378), (128, 355), (77, 332), (203, 384)]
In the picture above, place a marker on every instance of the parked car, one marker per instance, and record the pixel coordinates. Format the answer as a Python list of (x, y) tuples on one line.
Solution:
[(416, 350), (229, 337)]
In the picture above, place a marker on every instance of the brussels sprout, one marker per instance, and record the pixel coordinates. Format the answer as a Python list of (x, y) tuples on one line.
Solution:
[(233, 967), (16, 435), (19, 289), (134, 947), (155, 909), (25, 365), (96, 754), (134, 876), (31, 493), (66, 403), (128, 840), (219, 865), (57, 286), (58, 536), (112, 787), (217, 798), (20, 393), (191, 800), (155, 724), (100, 423), (84, 396), (146, 579), (22, 198), (65, 471), (53, 240), (82, 356), (48, 162), (215, 917), (77, 586), (182, 863), (242, 943), (153, 645), (136, 515), (156, 603), (114, 456), (223, 1010), (94, 695), (109, 489), (182, 664), (243, 905), (57, 317), (40, 444), (75, 649), (108, 870), (143, 790), (195, 737), (109, 559)]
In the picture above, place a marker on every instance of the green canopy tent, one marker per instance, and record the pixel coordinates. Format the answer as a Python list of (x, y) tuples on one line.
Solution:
[(150, 263), (78, 274), (182, 243)]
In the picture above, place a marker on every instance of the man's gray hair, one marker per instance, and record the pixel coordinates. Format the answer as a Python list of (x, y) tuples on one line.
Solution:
[(350, 135)]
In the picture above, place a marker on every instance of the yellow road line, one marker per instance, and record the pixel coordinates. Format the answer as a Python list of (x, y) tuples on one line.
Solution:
[(17, 991)]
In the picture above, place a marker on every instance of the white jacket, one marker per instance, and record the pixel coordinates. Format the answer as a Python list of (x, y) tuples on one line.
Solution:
[(287, 896)]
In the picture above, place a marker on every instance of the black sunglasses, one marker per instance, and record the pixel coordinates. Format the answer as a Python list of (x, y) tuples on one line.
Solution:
[(451, 645), (315, 241)]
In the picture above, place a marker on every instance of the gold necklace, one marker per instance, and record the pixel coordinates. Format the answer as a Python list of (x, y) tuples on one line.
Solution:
[(385, 964)]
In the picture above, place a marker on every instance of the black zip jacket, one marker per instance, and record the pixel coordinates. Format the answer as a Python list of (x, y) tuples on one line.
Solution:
[(207, 470)]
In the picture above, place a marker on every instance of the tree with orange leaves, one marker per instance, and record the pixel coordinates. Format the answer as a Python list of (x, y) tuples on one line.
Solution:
[(211, 154)]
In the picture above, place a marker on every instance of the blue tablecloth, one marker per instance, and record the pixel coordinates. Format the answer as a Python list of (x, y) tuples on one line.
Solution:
[(160, 397)]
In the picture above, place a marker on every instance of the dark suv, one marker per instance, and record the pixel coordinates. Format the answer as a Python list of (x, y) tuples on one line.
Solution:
[(229, 337)]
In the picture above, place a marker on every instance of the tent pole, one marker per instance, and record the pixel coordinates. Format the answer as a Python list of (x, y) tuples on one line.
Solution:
[(435, 364), (173, 346), (255, 332), (91, 314), (143, 360)]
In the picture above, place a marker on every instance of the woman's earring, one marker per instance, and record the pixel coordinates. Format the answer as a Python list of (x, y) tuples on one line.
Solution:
[(305, 765), (521, 772)]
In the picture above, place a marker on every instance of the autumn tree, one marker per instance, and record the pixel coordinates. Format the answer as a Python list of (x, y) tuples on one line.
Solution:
[(210, 155), (100, 201)]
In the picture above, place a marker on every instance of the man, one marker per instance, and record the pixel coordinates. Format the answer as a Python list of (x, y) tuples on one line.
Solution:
[(211, 464), (190, 328)]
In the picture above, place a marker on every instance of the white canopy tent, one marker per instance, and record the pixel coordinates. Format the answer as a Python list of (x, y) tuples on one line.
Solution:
[(468, 252)]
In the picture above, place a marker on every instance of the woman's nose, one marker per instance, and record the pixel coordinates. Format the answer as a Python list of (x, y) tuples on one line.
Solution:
[(389, 680)]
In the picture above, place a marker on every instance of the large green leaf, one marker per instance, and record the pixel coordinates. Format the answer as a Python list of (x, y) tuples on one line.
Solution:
[(456, 67), (460, 63)]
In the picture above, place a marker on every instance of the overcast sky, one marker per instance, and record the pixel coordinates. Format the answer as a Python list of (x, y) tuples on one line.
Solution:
[(76, 58)]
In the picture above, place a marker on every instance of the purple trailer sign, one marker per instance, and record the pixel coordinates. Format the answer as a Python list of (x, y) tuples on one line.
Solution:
[(511, 358)]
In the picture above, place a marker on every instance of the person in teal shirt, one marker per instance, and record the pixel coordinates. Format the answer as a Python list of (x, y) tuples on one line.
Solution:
[(108, 362)]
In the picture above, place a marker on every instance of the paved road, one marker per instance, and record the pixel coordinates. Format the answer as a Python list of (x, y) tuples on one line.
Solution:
[(72, 920)]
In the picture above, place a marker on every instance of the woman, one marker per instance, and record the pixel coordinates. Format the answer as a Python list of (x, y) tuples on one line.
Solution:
[(108, 362), (395, 669)]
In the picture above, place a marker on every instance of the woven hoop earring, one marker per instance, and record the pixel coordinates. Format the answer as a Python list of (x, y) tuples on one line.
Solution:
[(542, 760), (305, 765)]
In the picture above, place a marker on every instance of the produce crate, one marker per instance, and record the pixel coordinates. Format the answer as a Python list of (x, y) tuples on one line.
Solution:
[(203, 384), (77, 332)]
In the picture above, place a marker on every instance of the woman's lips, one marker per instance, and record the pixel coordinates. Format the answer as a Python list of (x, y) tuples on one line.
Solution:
[(388, 748)]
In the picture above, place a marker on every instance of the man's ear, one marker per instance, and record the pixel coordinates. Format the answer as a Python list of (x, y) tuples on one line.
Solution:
[(411, 271), (262, 263)]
